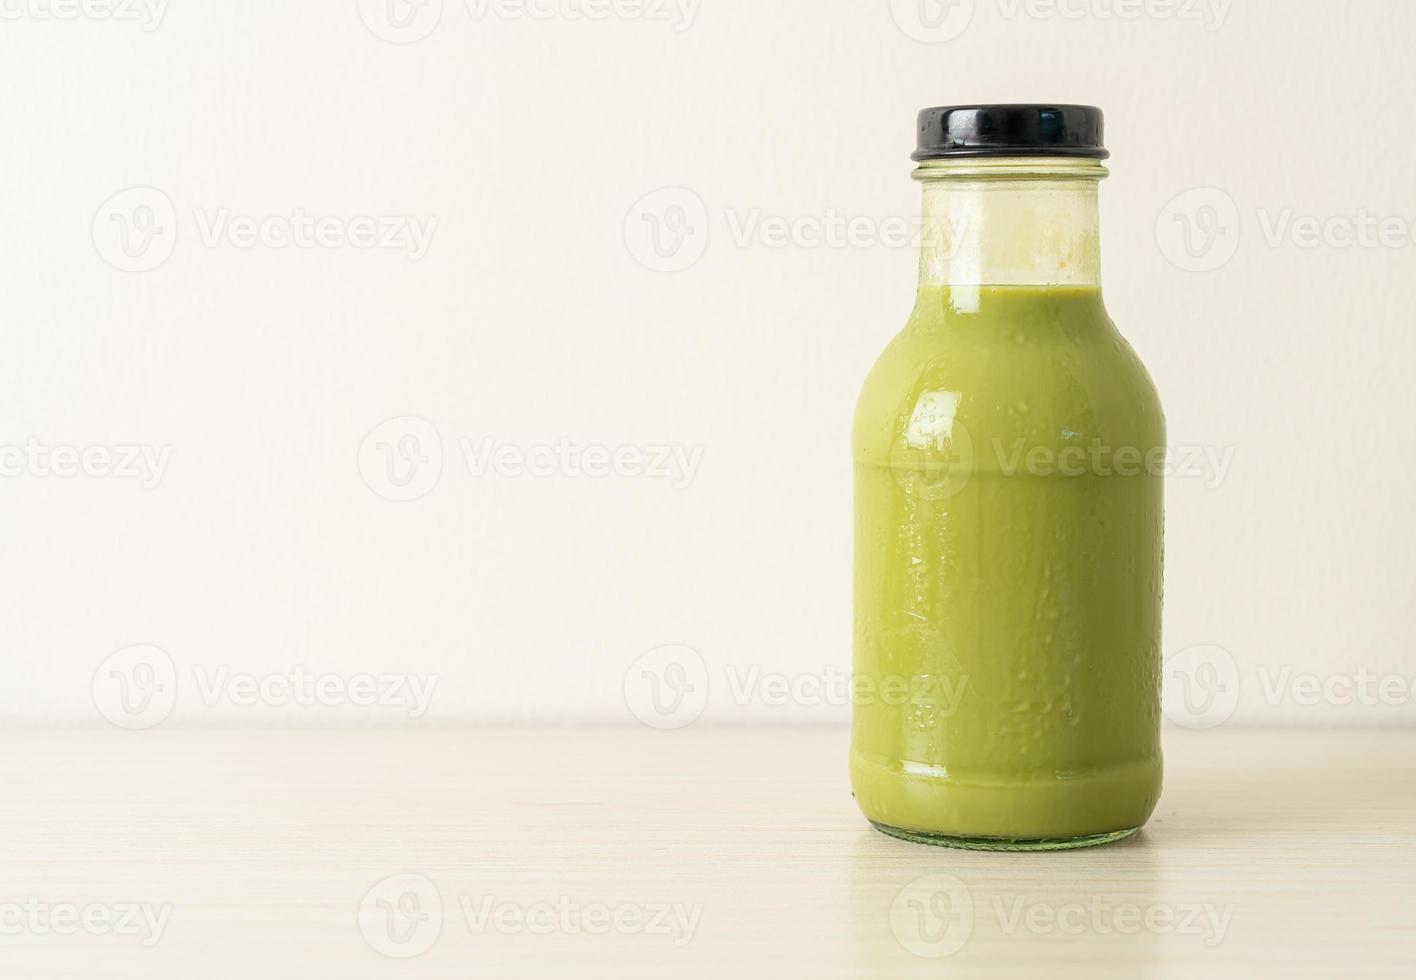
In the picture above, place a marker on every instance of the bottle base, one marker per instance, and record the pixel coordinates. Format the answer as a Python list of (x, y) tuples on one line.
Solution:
[(1003, 843)]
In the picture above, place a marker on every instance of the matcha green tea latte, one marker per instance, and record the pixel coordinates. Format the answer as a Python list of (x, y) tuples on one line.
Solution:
[(1008, 454)]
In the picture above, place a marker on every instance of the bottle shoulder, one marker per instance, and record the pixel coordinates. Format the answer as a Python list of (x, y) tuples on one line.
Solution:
[(1051, 374)]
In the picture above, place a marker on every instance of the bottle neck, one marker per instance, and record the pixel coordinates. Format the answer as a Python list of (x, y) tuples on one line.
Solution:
[(1011, 221)]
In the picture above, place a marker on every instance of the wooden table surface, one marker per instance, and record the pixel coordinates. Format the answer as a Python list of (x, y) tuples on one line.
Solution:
[(714, 853)]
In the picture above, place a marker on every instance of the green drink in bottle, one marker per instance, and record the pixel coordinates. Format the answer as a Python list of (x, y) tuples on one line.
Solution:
[(1008, 453)]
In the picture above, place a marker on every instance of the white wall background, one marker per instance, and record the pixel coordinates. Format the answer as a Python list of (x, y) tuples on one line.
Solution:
[(529, 320)]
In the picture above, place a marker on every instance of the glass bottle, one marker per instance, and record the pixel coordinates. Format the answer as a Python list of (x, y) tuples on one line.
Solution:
[(1008, 453)]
